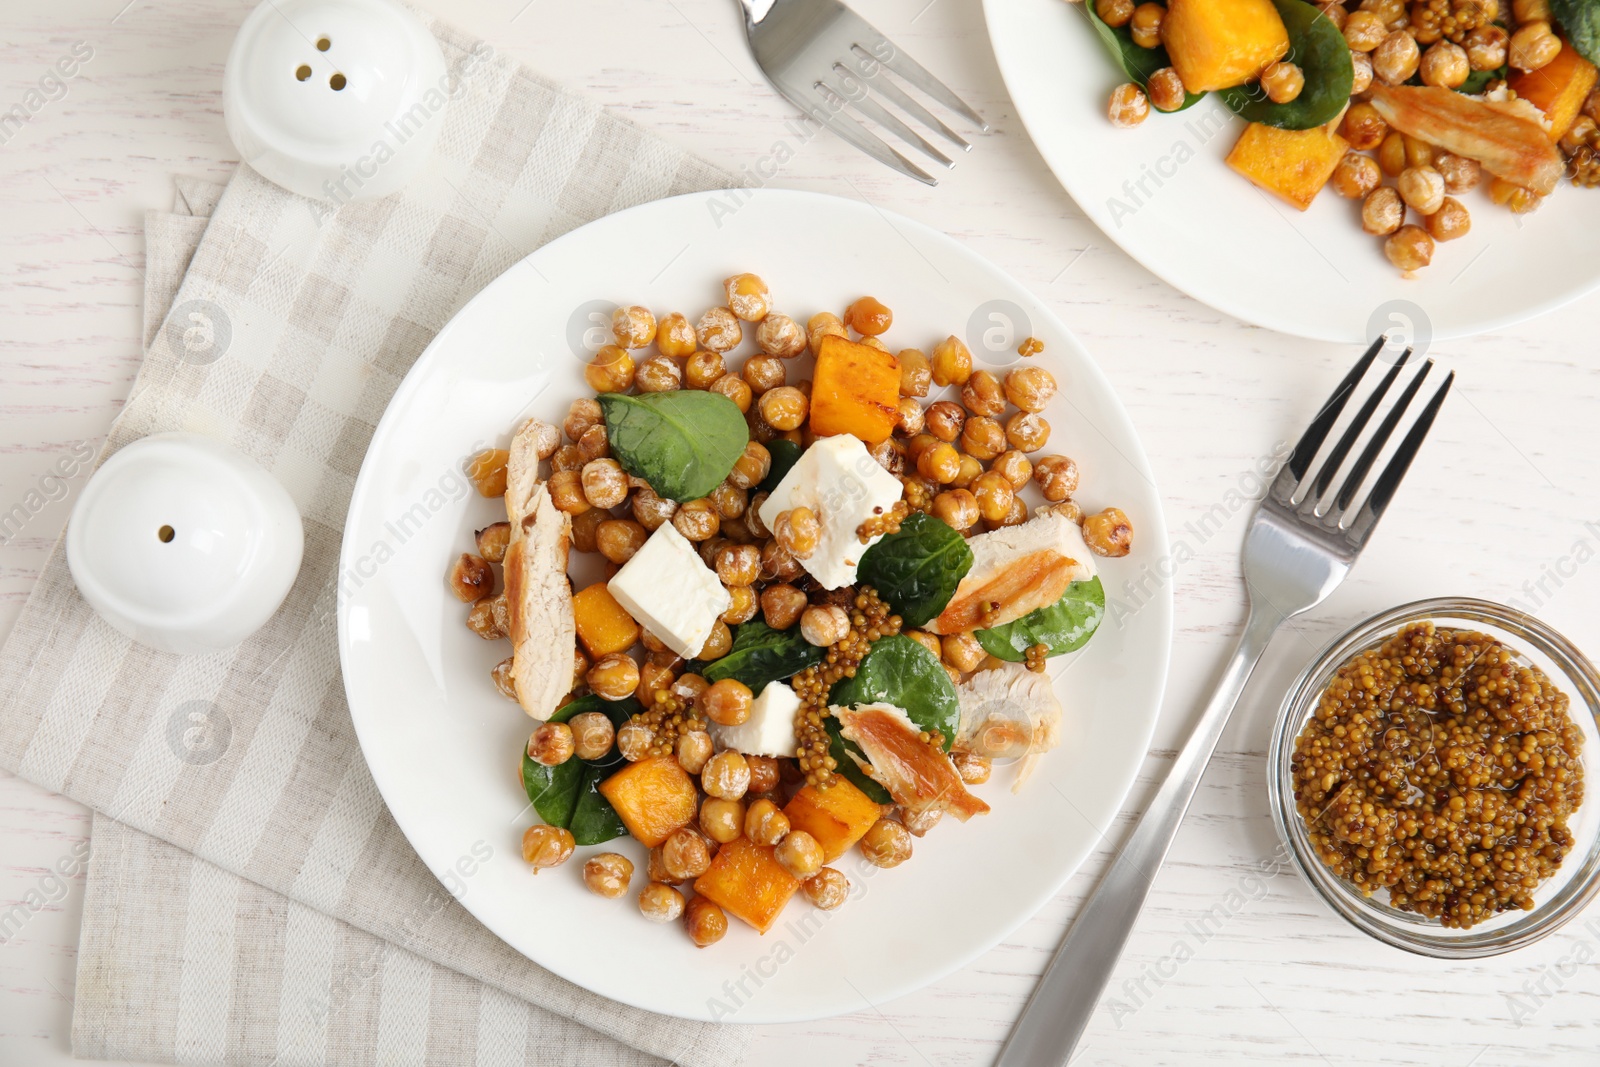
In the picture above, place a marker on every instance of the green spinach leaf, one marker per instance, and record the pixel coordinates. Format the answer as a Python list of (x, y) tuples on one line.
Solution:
[(1478, 80), (1323, 56), (918, 568), (1137, 63), (683, 443), (901, 672), (1063, 626), (785, 454), (568, 795), (761, 654), (1581, 21)]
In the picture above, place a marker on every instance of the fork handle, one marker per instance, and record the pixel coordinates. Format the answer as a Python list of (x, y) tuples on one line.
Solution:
[(1065, 998)]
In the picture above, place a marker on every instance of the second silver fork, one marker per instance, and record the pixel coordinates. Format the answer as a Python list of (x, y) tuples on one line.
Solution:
[(1297, 551), (827, 60)]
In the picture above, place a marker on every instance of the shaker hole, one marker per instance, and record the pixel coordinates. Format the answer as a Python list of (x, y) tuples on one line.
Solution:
[(337, 82), (323, 44), (302, 73), (166, 534)]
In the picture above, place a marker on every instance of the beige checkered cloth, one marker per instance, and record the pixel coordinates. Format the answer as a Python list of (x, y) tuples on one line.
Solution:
[(250, 899)]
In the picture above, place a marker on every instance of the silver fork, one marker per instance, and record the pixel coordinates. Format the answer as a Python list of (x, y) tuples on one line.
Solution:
[(1299, 548), (825, 58)]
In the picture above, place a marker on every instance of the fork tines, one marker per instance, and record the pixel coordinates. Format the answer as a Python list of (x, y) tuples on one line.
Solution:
[(1302, 490), (837, 68)]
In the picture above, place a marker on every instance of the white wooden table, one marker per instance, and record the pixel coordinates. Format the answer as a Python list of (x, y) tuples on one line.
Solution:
[(1496, 507)]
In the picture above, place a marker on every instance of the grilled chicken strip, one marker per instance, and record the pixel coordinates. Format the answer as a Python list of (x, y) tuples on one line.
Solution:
[(1015, 570), (538, 594), (916, 773)]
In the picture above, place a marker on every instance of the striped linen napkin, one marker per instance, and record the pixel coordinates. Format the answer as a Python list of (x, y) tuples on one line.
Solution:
[(250, 899)]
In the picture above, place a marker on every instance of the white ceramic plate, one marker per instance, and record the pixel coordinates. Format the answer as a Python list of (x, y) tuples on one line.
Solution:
[(1209, 232), (444, 746)]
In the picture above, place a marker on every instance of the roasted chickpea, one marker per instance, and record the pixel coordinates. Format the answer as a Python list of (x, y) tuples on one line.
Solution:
[(660, 903), (763, 373), (659, 375), (1451, 220), (1393, 12), (1145, 25), (886, 844), (919, 444), (1530, 10), (1356, 175), (552, 744), (744, 603), (748, 297), (780, 336), (584, 413), (584, 527), (941, 463), (827, 889), (568, 458), (1460, 174), (722, 820), (1114, 13), (824, 624), (614, 677), (983, 394), (868, 316), (1282, 81), (633, 327), (764, 773), (1014, 517), (605, 485), (779, 563), (1363, 127), (957, 509), (1360, 72), (546, 846), (823, 324), (726, 703), (592, 734), (634, 740), (916, 372), (703, 369), (696, 519), (1487, 47), (730, 501), (1030, 388), (1422, 188), (970, 469), (1015, 467), (594, 444), (1057, 477), (675, 337), (1445, 64), (764, 823), (1382, 211), (611, 370), (783, 408), (944, 419), (1391, 155), (657, 672), (1027, 432), (1128, 106), (650, 510), (487, 471), (471, 578), (1165, 90), (1409, 248), (961, 651), (492, 541), (726, 775), (799, 854), (1533, 46), (1108, 532), (1364, 31), (751, 467), (718, 643), (608, 874), (719, 330), (973, 768), (782, 605), (738, 565), (951, 362), (684, 854), (1334, 12), (798, 531), (481, 621), (983, 438), (994, 494), (705, 922), (1519, 199), (500, 674), (910, 419)]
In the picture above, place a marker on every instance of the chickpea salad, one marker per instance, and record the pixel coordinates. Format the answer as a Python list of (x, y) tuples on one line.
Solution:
[(834, 574), (1403, 105)]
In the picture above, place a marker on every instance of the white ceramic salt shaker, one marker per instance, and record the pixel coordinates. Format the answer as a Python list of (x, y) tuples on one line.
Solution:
[(336, 100), (184, 543)]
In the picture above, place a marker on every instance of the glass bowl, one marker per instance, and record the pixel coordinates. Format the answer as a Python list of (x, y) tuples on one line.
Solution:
[(1559, 897)]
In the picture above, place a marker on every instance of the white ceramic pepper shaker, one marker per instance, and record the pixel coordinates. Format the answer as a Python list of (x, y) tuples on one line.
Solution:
[(336, 100), (184, 543)]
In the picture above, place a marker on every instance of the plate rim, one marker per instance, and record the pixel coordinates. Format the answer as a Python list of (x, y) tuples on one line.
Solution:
[(1155, 526)]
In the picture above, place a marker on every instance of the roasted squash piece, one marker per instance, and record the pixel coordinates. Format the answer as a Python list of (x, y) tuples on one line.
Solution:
[(604, 626), (855, 389), (748, 883), (1294, 164), (1217, 44), (837, 816), (653, 797), (1558, 88)]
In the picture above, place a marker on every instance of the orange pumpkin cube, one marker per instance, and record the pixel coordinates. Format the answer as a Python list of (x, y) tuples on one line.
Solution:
[(748, 882), (837, 816), (604, 626), (1558, 88), (1294, 164), (653, 797), (1217, 44), (855, 389)]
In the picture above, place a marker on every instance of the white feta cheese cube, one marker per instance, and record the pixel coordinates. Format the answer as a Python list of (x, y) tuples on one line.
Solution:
[(770, 729), (670, 591), (839, 480)]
